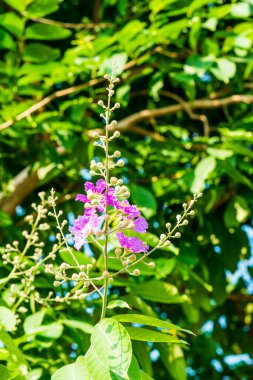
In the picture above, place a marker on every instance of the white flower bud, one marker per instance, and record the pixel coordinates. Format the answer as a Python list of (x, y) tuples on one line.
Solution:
[(136, 272), (117, 153), (120, 163), (177, 235)]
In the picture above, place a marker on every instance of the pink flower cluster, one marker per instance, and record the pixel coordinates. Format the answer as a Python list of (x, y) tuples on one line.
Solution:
[(90, 223)]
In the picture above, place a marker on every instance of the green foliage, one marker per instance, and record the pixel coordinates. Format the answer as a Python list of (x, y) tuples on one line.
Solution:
[(190, 65)]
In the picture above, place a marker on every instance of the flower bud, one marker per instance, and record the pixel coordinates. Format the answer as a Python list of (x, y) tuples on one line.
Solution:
[(162, 236), (151, 264), (113, 180), (101, 103), (116, 134), (168, 225), (120, 163), (117, 153), (113, 124), (117, 251), (177, 235), (117, 105), (136, 272)]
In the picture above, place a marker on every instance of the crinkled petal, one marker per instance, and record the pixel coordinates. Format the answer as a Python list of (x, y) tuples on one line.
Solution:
[(100, 186), (140, 225), (89, 186), (132, 244), (82, 198)]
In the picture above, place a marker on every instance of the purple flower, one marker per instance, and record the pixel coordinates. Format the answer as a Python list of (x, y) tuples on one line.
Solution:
[(132, 244), (99, 188), (140, 225), (85, 225)]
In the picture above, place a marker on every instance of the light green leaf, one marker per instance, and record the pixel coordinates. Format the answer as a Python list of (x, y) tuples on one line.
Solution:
[(149, 321), (112, 345), (75, 371), (12, 22), (16, 359), (144, 199), (196, 4), (18, 5), (118, 303), (159, 291), (85, 327), (36, 52), (81, 258), (227, 69), (221, 154), (203, 169), (4, 354), (41, 8), (145, 376), (32, 322), (52, 331), (6, 41), (98, 370), (34, 374), (6, 374), (237, 212), (241, 10), (146, 335), (7, 318), (45, 32)]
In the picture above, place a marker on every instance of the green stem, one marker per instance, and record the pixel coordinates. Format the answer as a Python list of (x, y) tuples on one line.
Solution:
[(106, 279)]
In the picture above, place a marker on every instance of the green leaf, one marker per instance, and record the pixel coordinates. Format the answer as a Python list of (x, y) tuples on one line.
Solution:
[(149, 321), (35, 374), (146, 335), (6, 41), (75, 371), (144, 199), (227, 69), (46, 32), (118, 303), (6, 374), (4, 354), (85, 327), (196, 4), (221, 154), (81, 258), (36, 52), (32, 322), (241, 10), (112, 345), (159, 291), (16, 359), (202, 171), (102, 372), (18, 5), (237, 212), (7, 318), (41, 8), (12, 22), (145, 376)]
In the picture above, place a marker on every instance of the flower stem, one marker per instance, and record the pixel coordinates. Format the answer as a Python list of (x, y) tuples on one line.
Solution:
[(106, 279)]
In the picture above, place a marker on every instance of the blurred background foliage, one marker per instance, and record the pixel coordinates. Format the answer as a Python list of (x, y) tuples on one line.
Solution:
[(186, 92)]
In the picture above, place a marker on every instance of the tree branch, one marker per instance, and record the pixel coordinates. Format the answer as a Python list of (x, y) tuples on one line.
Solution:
[(69, 25), (137, 117)]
